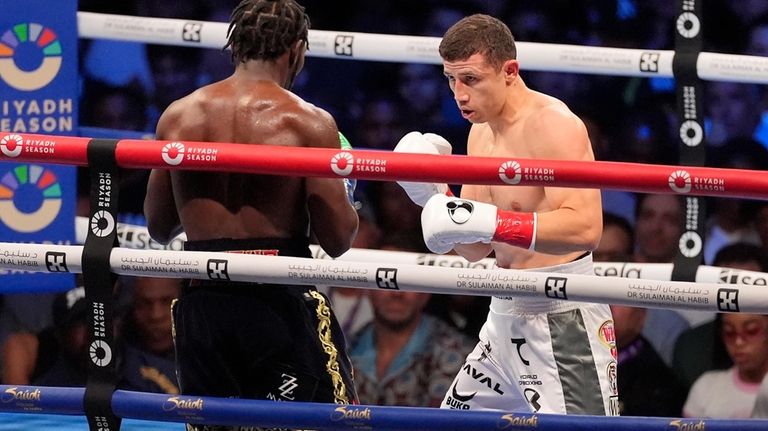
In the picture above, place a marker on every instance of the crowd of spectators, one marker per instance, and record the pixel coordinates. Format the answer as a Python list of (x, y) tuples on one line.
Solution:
[(125, 86)]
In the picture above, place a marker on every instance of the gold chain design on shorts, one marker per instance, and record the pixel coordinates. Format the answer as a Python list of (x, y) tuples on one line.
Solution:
[(324, 332)]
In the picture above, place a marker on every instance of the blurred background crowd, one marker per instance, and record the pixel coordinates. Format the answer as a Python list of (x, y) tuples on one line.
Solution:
[(407, 347)]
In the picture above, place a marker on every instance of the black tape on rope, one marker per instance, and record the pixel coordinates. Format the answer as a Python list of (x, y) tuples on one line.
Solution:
[(688, 43), (99, 281)]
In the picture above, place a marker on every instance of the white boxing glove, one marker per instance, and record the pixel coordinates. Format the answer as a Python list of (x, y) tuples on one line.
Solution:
[(427, 143), (447, 221)]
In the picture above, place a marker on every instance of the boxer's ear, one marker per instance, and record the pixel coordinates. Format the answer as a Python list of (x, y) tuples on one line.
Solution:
[(511, 69)]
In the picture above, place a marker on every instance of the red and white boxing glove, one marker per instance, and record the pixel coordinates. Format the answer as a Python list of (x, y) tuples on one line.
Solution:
[(447, 221), (427, 143)]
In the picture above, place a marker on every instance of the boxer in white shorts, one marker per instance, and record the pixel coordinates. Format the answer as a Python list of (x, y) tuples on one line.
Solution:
[(542, 356), (534, 355)]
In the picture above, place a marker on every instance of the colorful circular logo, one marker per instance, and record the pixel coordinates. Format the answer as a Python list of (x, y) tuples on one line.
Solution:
[(30, 56), (30, 198)]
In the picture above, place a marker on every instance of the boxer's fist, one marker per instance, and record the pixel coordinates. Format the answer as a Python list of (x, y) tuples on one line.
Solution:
[(427, 143), (447, 221), (349, 183)]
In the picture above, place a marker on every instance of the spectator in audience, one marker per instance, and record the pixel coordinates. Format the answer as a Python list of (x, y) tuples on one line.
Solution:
[(175, 73), (701, 348), (734, 111), (658, 228), (352, 306), (379, 126), (617, 240), (730, 219), (731, 393), (110, 107), (405, 357), (147, 362), (647, 387), (58, 354)]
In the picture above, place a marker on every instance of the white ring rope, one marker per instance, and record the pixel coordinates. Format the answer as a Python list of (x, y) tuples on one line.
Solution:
[(420, 49), (466, 281), (137, 237)]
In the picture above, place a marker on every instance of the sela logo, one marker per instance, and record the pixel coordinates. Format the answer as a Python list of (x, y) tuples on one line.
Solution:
[(729, 276), (728, 299), (343, 45), (342, 164), (459, 211), (680, 181), (191, 32), (386, 278), (217, 269), (554, 287), (56, 261), (173, 153), (649, 62), (11, 145), (621, 270), (100, 353), (510, 172)]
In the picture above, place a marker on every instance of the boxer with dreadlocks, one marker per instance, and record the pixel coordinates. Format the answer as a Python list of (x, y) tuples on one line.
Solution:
[(233, 339)]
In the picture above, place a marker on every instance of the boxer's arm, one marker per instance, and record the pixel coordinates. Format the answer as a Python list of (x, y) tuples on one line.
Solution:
[(160, 207), (332, 217), (160, 211), (575, 223), (479, 250)]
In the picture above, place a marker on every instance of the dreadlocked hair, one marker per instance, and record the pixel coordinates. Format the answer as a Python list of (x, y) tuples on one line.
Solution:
[(265, 29)]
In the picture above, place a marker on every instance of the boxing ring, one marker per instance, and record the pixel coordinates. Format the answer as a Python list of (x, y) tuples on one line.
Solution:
[(392, 270)]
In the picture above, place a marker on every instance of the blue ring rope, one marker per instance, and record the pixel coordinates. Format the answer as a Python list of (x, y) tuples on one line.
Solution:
[(303, 415)]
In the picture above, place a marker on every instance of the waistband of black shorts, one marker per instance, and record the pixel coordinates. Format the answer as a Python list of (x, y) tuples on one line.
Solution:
[(296, 247)]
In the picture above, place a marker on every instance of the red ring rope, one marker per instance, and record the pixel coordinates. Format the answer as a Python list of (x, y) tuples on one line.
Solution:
[(390, 166)]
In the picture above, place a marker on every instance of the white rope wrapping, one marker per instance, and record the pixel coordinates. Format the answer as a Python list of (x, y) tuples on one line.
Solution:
[(420, 49), (137, 237), (368, 275)]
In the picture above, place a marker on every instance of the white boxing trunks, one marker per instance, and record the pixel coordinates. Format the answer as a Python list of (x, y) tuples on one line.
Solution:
[(545, 356)]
